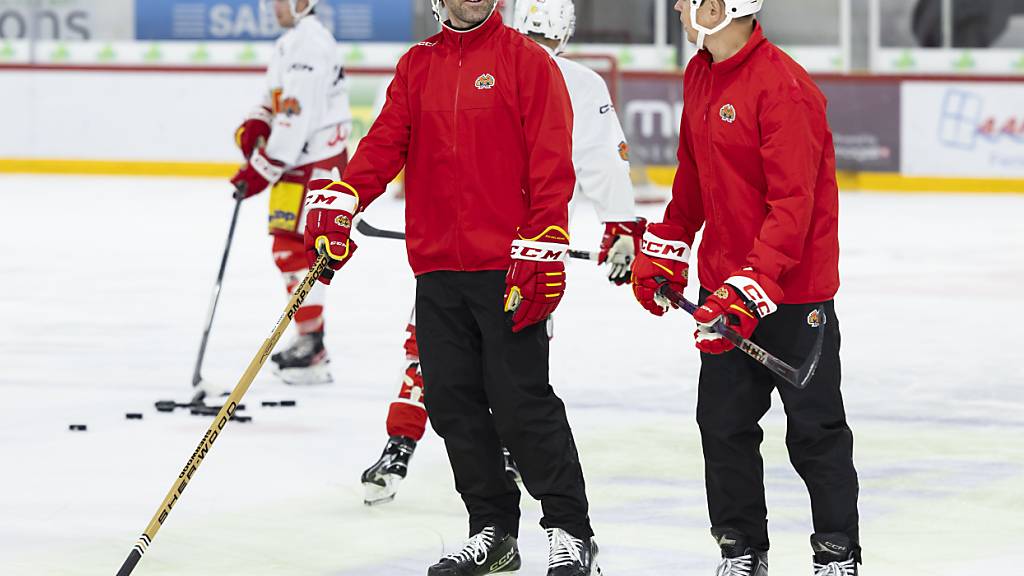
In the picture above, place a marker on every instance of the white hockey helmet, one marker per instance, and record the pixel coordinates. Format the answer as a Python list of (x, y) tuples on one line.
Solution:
[(733, 9), (309, 8), (552, 19)]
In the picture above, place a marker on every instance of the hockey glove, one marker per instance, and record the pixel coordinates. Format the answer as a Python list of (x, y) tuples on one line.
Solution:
[(535, 281), (664, 256), (330, 208), (619, 247), (254, 129), (744, 299), (260, 172)]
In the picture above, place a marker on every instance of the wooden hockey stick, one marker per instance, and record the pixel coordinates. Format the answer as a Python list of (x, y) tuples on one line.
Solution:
[(222, 418)]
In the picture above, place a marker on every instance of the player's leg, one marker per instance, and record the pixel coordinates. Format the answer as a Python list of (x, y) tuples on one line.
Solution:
[(532, 422), (305, 359), (406, 423), (733, 394), (450, 348), (819, 439)]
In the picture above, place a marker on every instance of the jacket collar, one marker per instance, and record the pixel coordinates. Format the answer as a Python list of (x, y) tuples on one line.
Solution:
[(737, 59), (482, 31)]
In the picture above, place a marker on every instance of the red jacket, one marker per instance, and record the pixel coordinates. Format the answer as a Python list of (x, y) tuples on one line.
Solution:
[(482, 122), (757, 169)]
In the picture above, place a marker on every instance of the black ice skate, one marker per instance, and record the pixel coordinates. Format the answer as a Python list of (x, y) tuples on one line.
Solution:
[(569, 556), (738, 559), (511, 468), (304, 362), (489, 552), (833, 555), (381, 480)]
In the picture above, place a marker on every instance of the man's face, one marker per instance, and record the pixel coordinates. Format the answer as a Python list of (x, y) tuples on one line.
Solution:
[(469, 12), (284, 13), (704, 17)]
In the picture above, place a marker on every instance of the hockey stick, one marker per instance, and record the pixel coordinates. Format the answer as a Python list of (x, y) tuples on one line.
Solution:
[(798, 377), (222, 418), (197, 377), (369, 231)]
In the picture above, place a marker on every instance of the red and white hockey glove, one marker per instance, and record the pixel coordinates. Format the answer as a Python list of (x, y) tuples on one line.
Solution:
[(260, 172), (744, 299), (535, 281), (619, 247), (330, 208), (253, 130), (664, 257)]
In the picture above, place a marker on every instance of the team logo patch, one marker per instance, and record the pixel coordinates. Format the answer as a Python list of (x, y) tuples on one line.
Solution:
[(624, 150), (343, 221), (728, 113), (485, 82), (814, 319), (722, 293), (290, 107)]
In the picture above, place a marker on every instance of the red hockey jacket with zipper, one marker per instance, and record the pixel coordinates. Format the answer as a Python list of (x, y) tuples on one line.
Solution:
[(482, 123), (757, 169)]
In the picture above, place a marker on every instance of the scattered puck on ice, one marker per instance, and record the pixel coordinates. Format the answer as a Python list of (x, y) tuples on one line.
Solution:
[(133, 416), (269, 403), (242, 419), (166, 405), (77, 427), (288, 403)]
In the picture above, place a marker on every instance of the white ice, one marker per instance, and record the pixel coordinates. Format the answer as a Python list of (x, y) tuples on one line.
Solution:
[(104, 291)]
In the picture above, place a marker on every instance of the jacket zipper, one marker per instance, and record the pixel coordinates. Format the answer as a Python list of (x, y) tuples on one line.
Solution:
[(455, 158)]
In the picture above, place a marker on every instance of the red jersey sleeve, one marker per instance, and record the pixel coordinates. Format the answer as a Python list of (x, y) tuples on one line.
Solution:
[(382, 153), (547, 125), (792, 141), (686, 209)]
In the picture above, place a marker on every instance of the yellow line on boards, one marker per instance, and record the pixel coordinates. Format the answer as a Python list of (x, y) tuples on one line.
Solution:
[(656, 175), (118, 168)]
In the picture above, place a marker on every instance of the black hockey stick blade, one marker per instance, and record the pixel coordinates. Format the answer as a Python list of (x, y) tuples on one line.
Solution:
[(369, 231), (798, 377)]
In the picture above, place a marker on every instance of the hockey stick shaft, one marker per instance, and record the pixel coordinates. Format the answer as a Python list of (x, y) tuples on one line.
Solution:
[(369, 231), (221, 419), (215, 296)]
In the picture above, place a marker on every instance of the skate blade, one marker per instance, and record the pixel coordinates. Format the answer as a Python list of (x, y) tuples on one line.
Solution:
[(375, 494), (313, 376)]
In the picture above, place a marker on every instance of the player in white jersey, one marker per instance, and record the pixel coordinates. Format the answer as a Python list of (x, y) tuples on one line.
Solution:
[(601, 159), (299, 132)]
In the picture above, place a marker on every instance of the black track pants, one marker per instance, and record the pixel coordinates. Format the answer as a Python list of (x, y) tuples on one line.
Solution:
[(484, 387), (735, 392)]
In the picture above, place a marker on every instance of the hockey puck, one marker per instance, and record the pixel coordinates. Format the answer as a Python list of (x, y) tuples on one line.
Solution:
[(269, 403), (77, 427), (166, 405), (133, 416), (242, 419), (288, 403)]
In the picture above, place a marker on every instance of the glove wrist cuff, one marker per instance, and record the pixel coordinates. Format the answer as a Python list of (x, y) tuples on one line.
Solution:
[(334, 196), (754, 294), (269, 169), (538, 251), (656, 247)]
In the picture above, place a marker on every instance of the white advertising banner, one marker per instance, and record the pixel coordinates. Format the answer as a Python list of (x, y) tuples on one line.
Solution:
[(67, 20), (963, 129)]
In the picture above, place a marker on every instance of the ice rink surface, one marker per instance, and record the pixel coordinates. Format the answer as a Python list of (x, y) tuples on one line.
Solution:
[(105, 289)]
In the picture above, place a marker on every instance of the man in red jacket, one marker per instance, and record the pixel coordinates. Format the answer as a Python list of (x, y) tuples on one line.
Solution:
[(480, 119), (757, 172)]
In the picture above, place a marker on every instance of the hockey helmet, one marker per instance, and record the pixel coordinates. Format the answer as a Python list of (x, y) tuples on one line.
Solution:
[(309, 8), (552, 19), (733, 9)]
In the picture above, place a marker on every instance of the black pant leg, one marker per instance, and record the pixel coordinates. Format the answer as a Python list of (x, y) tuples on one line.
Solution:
[(733, 394), (450, 345), (530, 418), (818, 437)]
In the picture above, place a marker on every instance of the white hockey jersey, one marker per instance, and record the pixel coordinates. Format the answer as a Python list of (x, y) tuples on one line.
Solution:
[(600, 152), (307, 101)]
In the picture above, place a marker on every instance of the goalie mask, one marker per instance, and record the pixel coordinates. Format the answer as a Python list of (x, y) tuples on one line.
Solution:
[(552, 19), (733, 9)]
